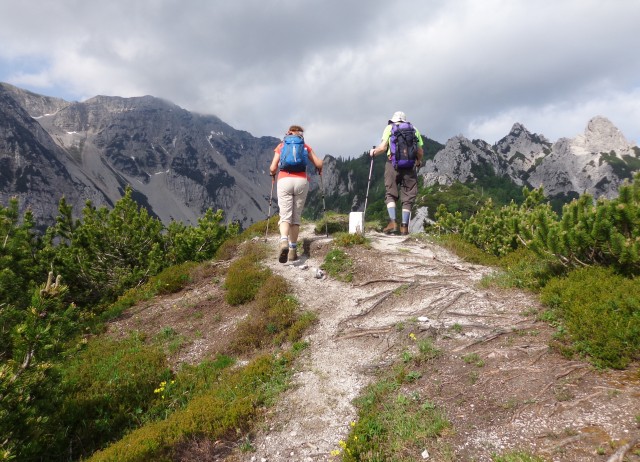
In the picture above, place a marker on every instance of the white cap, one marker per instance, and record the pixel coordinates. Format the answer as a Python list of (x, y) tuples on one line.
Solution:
[(398, 116)]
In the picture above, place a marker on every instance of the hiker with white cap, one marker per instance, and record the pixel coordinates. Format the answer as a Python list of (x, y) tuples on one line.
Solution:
[(402, 143)]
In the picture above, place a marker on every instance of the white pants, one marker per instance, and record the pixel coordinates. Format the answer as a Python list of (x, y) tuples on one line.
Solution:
[(292, 194)]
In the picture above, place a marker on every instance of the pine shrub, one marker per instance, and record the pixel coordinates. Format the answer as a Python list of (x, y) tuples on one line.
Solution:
[(107, 388), (601, 312)]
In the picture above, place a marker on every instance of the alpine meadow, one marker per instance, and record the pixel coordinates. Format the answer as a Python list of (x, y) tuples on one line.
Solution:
[(147, 317)]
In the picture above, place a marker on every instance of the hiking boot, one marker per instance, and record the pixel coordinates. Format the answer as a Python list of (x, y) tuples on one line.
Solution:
[(283, 252), (404, 229), (293, 254), (391, 228)]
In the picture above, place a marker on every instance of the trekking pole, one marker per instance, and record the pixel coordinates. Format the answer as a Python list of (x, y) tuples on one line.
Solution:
[(273, 180), (366, 198), (324, 207)]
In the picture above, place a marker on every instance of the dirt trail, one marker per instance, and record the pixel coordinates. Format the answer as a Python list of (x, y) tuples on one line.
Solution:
[(515, 394), (499, 383)]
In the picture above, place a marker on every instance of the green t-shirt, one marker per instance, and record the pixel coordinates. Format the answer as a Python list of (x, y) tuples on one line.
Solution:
[(386, 134)]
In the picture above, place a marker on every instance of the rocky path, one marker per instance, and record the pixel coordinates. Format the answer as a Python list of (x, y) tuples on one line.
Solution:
[(518, 394)]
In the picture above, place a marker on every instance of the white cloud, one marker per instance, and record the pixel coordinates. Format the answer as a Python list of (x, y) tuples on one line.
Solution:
[(341, 68)]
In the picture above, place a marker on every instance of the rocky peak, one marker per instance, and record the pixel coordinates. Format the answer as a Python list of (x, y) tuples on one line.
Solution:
[(521, 149), (601, 136), (517, 129), (523, 141)]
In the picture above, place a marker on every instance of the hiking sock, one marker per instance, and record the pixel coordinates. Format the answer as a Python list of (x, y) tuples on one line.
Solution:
[(391, 208), (293, 251), (406, 214)]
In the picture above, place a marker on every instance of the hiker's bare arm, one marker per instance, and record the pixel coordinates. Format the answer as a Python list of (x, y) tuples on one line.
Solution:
[(317, 162), (273, 168), (382, 147)]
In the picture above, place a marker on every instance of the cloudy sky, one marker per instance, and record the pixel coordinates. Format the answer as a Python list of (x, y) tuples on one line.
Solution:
[(340, 68)]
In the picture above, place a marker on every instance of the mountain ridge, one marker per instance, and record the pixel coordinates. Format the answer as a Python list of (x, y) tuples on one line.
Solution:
[(180, 163), (596, 162)]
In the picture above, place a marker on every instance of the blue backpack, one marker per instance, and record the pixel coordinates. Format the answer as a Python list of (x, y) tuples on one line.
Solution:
[(293, 155), (404, 145)]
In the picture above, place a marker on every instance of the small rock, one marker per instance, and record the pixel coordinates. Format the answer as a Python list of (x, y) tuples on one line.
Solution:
[(304, 267), (425, 454), (319, 274)]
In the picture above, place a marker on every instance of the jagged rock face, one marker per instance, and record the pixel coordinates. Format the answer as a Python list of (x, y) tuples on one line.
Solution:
[(331, 180), (462, 160), (36, 105), (596, 162), (522, 150), (178, 163), (601, 136), (32, 166)]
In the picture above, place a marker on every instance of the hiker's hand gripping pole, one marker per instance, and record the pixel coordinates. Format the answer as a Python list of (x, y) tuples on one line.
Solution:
[(273, 181)]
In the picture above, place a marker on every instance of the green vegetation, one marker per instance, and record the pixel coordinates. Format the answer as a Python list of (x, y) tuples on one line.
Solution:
[(68, 391), (223, 410), (600, 321), (394, 421), (245, 276), (338, 265), (349, 240), (585, 262), (332, 223)]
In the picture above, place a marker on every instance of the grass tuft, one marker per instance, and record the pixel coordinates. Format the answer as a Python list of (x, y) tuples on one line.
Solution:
[(338, 265), (348, 240)]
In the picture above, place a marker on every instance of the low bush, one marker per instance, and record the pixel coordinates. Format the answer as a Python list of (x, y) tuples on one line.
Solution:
[(273, 318), (392, 424), (245, 276), (191, 381), (464, 249), (172, 279), (225, 410), (517, 456), (524, 269), (601, 313)]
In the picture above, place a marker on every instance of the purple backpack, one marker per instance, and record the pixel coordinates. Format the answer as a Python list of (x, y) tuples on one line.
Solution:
[(404, 145)]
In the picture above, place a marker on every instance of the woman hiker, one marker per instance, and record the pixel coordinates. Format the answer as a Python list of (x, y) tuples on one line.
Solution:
[(291, 156)]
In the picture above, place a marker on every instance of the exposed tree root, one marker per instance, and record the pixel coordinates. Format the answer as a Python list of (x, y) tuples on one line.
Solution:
[(376, 281), (618, 456), (476, 315), (490, 337), (363, 333), (570, 370)]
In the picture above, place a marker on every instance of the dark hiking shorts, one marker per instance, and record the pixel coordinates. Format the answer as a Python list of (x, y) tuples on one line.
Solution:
[(407, 179)]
